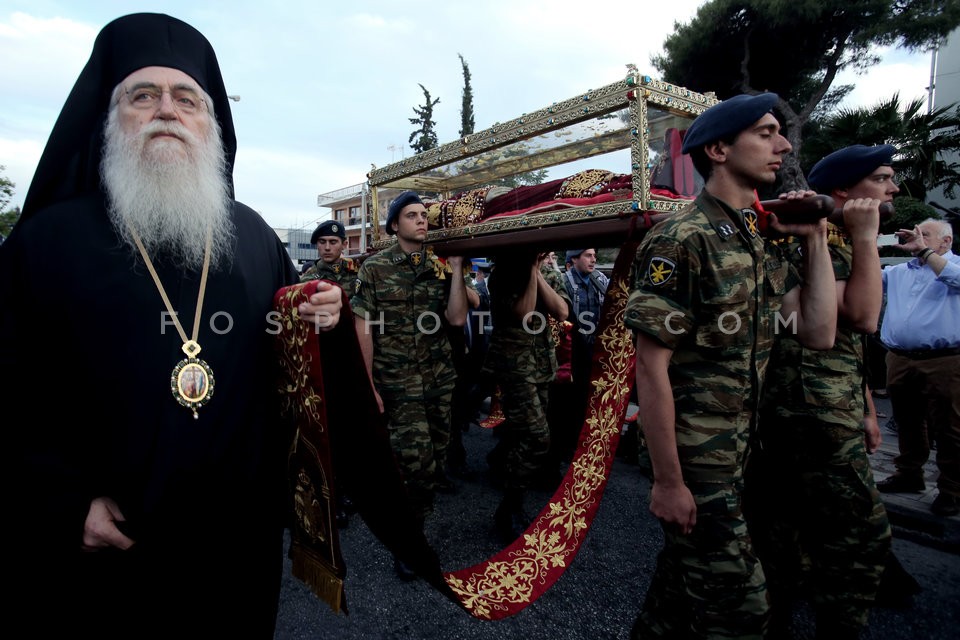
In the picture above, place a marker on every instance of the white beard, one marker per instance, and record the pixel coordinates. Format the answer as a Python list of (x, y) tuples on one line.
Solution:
[(170, 192)]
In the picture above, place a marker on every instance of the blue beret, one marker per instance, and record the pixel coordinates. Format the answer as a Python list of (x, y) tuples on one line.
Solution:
[(573, 253), (328, 228), (726, 119), (402, 200), (848, 166)]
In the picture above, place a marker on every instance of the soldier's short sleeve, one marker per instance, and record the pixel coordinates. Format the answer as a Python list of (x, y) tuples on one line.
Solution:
[(555, 279), (842, 259), (663, 285), (782, 266)]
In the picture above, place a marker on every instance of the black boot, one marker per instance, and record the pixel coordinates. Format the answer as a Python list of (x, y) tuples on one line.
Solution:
[(509, 520)]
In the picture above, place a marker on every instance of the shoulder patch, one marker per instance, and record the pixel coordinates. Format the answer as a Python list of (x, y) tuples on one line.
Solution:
[(357, 285), (750, 219), (660, 270)]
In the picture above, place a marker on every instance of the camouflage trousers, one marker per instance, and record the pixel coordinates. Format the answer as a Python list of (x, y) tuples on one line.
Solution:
[(707, 584), (526, 434), (419, 434), (818, 523)]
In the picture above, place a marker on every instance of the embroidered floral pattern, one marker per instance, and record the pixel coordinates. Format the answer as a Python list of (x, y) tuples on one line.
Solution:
[(516, 576)]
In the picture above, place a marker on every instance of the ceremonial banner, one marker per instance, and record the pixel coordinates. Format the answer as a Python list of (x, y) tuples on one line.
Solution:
[(515, 577), (314, 543), (495, 416), (340, 435)]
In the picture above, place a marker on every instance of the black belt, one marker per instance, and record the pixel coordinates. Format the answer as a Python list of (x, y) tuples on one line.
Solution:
[(927, 354)]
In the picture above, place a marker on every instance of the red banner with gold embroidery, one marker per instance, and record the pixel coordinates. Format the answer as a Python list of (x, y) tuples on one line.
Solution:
[(340, 435), (512, 579)]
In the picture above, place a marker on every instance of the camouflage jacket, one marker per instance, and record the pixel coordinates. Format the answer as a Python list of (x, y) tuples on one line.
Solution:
[(516, 352), (827, 385), (707, 285), (343, 272), (405, 304)]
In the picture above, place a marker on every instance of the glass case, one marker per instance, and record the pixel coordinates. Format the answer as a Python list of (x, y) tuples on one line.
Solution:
[(579, 168)]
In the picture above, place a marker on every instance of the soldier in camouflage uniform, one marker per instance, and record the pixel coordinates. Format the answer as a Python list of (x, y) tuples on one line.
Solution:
[(329, 239), (522, 360), (404, 298), (811, 498), (706, 288)]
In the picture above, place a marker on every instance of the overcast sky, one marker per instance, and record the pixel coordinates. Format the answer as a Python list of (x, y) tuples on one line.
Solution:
[(327, 88)]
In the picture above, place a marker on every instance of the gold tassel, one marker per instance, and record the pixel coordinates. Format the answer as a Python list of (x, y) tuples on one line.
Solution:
[(322, 581)]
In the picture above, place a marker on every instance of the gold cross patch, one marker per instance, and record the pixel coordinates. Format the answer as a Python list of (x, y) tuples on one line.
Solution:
[(660, 270), (416, 258), (336, 267)]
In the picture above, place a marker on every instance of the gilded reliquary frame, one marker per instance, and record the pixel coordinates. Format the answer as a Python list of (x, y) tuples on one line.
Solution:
[(632, 114)]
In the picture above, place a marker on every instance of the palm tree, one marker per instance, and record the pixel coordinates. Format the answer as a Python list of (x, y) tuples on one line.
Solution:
[(923, 141)]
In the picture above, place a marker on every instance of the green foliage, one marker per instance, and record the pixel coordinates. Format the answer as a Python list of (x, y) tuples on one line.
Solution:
[(922, 139), (908, 213), (6, 189), (424, 138), (7, 218), (795, 48), (466, 106)]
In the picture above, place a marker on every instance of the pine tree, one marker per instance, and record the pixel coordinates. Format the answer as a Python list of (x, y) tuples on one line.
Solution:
[(466, 108), (424, 138)]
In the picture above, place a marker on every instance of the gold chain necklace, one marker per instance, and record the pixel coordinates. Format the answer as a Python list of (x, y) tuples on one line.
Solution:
[(191, 381)]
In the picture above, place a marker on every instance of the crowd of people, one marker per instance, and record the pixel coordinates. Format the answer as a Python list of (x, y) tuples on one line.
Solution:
[(750, 348)]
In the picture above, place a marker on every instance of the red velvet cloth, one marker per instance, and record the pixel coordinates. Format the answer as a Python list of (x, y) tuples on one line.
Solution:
[(341, 436), (523, 197), (563, 203)]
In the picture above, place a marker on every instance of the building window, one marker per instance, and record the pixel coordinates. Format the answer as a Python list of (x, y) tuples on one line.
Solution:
[(338, 215)]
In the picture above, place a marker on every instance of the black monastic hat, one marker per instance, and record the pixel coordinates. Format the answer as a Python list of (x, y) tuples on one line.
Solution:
[(70, 164)]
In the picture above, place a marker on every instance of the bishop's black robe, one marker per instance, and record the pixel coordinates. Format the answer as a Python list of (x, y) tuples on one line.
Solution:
[(87, 357)]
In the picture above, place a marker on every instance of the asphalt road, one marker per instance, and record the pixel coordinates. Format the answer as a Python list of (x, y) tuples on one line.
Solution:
[(597, 597)]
